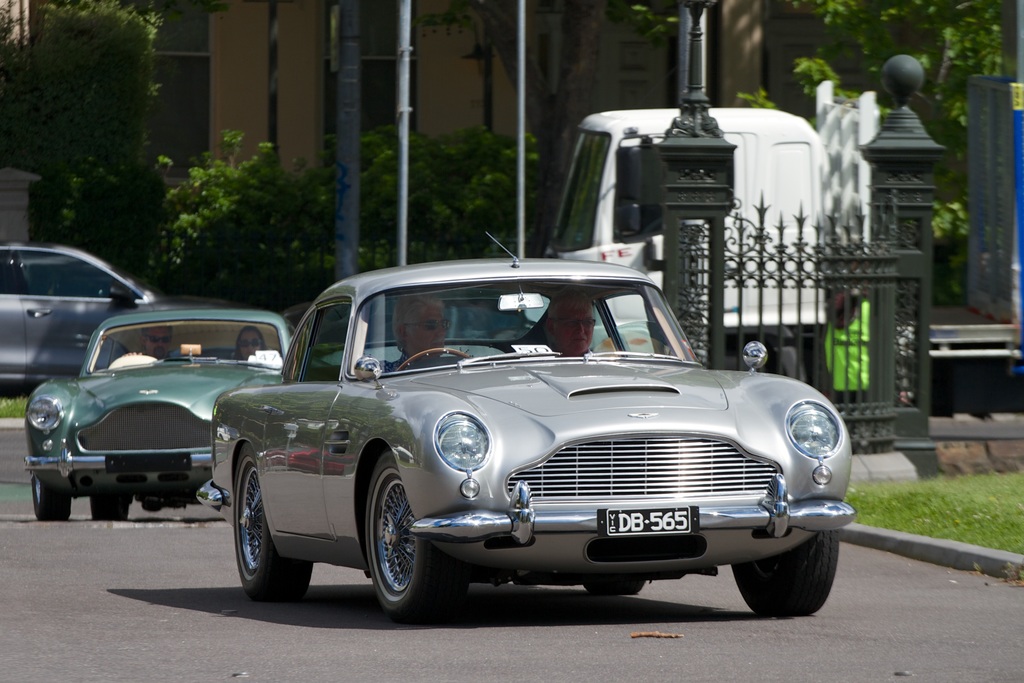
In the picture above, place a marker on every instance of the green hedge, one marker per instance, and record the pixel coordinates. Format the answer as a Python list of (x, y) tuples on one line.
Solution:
[(255, 232), (81, 90)]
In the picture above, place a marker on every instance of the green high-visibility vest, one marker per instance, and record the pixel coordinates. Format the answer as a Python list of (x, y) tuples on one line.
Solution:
[(846, 351)]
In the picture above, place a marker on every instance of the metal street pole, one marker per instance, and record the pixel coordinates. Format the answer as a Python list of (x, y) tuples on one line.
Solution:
[(346, 210), (521, 132), (404, 51), (272, 73)]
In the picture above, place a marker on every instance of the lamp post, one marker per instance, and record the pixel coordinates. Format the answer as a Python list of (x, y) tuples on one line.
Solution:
[(697, 196), (694, 119)]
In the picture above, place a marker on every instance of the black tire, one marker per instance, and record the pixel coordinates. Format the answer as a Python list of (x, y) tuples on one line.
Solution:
[(265, 575), (416, 583), (49, 505), (109, 508), (793, 584), (616, 587)]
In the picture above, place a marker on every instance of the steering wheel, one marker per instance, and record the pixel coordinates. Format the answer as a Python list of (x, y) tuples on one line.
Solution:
[(439, 351)]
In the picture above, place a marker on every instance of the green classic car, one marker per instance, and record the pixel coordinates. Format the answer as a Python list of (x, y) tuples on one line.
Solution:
[(135, 423)]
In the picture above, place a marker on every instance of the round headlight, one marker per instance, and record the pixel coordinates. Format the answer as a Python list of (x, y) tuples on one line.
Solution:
[(813, 430), (462, 442), (44, 412)]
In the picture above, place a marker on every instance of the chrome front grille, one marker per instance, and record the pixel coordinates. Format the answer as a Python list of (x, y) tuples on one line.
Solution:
[(692, 468), (146, 427)]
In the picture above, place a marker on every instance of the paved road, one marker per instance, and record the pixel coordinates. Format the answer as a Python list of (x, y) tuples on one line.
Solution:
[(158, 598), (84, 601)]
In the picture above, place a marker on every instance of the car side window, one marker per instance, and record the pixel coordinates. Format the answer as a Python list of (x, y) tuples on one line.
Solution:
[(326, 350), (52, 274), (10, 282)]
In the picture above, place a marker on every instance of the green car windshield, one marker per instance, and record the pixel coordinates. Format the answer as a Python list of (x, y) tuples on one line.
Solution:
[(222, 340)]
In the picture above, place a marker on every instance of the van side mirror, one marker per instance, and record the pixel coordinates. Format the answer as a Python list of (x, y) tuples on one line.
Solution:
[(628, 174), (627, 219), (628, 180)]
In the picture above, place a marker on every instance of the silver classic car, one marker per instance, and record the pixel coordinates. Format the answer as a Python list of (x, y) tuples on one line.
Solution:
[(532, 422)]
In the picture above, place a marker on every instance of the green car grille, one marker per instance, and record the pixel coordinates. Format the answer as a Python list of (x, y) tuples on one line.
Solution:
[(149, 427), (692, 468)]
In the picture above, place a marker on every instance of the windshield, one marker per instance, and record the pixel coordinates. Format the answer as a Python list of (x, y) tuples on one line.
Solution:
[(148, 343), (576, 219), (410, 329)]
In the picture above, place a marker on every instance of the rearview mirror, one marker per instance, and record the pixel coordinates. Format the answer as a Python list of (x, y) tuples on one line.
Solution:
[(520, 302)]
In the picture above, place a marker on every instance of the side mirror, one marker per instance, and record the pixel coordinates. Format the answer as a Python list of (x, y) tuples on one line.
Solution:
[(121, 295), (628, 174), (367, 368)]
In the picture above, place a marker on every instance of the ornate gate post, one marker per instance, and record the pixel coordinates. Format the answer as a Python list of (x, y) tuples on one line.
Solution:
[(902, 159), (698, 195)]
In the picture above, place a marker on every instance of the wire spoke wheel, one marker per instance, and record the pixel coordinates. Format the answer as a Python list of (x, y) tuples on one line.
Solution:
[(265, 574), (416, 583), (396, 548), (250, 522)]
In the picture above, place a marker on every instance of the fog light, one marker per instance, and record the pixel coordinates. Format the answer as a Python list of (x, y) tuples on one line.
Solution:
[(470, 488), (47, 445), (821, 475)]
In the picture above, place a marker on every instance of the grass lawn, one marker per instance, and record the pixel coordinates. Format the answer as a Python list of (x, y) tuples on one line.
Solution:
[(984, 509), (13, 406)]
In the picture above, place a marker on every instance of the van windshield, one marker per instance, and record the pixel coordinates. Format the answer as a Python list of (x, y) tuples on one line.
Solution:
[(575, 227)]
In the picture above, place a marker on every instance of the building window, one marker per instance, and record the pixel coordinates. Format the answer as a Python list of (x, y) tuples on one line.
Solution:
[(180, 126)]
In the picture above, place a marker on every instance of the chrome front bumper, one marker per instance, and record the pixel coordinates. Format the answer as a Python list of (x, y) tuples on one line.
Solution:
[(66, 462), (774, 515), (213, 496)]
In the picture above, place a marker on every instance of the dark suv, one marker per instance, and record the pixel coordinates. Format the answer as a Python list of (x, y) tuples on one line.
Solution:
[(51, 299)]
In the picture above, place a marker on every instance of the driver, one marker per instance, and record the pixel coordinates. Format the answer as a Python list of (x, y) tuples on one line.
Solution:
[(419, 324)]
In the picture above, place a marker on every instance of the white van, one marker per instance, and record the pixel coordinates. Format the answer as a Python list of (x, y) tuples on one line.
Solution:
[(611, 210)]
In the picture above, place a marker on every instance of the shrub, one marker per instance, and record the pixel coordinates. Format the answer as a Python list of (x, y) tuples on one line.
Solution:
[(251, 232), (114, 211)]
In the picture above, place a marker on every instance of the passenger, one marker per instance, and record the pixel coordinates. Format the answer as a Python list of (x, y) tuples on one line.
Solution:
[(570, 323), (419, 324), (249, 341)]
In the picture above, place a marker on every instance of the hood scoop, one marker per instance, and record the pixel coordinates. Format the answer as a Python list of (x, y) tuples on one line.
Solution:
[(609, 381), (622, 388)]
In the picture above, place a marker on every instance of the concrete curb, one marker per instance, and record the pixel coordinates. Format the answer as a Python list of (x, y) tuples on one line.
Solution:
[(953, 554), (12, 423)]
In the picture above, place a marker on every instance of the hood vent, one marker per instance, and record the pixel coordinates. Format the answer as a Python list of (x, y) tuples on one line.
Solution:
[(625, 388)]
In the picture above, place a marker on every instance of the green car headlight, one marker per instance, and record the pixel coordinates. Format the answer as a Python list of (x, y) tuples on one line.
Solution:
[(462, 442), (813, 430), (44, 412)]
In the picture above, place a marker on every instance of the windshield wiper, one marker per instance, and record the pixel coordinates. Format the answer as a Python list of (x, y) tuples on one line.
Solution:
[(512, 355), (601, 355)]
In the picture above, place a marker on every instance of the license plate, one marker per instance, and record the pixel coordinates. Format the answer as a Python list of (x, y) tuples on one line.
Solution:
[(648, 522)]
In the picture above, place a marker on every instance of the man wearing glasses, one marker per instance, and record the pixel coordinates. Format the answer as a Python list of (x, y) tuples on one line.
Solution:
[(419, 324), (156, 341), (570, 324)]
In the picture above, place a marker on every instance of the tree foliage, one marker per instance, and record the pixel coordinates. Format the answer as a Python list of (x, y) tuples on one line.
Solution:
[(81, 89), (73, 107), (953, 41)]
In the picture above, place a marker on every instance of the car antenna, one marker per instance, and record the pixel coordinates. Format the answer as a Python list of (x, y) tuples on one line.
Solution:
[(515, 259)]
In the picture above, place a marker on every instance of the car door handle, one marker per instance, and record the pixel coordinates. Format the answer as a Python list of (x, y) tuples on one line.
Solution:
[(39, 312), (271, 410)]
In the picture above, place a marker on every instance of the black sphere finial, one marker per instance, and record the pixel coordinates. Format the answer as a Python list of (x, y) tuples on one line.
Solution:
[(902, 76)]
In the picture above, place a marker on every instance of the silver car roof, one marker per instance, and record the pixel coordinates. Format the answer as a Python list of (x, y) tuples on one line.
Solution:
[(365, 285)]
